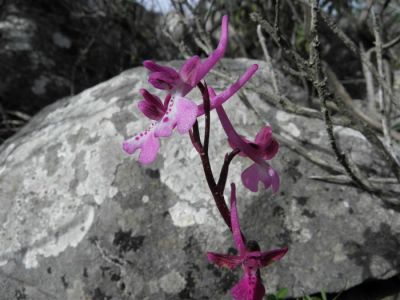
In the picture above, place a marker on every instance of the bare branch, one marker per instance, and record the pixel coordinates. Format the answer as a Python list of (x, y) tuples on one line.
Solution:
[(368, 79), (384, 105), (323, 93), (329, 167), (353, 47), (346, 99), (267, 57)]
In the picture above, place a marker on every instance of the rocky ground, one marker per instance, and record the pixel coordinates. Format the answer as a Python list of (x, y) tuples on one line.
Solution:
[(81, 219)]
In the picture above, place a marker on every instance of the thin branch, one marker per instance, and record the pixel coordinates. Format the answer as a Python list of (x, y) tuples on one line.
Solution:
[(392, 43), (368, 79), (284, 103), (82, 56), (267, 57), (277, 16), (344, 179), (384, 105), (353, 47), (19, 114), (342, 94), (281, 42), (329, 167), (323, 93)]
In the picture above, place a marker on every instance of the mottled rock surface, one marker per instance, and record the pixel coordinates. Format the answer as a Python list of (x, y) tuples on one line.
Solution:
[(82, 220)]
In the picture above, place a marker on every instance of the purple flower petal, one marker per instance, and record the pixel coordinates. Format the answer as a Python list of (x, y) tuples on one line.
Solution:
[(192, 71), (151, 106), (253, 175), (163, 81), (266, 258), (149, 110), (235, 138), (209, 62), (152, 99), (186, 115), (189, 70), (181, 113), (248, 288), (268, 145), (147, 142), (257, 290), (154, 67), (260, 173), (237, 234), (264, 135), (224, 260), (240, 290), (216, 101), (275, 180)]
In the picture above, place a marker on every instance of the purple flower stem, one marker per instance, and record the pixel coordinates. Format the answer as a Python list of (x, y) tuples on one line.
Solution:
[(195, 137), (207, 108), (217, 190), (223, 175), (217, 195)]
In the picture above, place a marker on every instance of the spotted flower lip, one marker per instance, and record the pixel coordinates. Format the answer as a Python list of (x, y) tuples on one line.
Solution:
[(263, 148), (176, 112), (192, 71), (250, 257)]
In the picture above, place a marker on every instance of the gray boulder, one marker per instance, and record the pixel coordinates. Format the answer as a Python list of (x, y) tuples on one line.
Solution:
[(80, 219)]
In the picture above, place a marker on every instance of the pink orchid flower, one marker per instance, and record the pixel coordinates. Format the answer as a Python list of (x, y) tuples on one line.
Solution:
[(177, 111), (183, 115), (193, 70), (250, 257), (264, 147)]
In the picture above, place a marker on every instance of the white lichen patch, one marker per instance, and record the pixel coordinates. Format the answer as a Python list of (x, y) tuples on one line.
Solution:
[(52, 174), (296, 222), (282, 116), (379, 265), (145, 198), (53, 247), (182, 214), (291, 129), (76, 291), (338, 253), (172, 283)]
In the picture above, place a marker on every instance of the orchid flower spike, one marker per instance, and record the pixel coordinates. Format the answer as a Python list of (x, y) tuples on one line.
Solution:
[(178, 111), (250, 258), (263, 148)]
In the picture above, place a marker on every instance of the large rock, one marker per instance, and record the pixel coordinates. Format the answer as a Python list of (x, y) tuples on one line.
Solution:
[(82, 220)]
